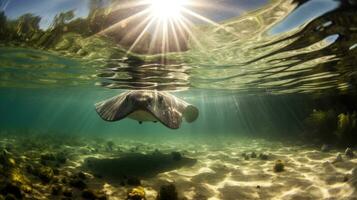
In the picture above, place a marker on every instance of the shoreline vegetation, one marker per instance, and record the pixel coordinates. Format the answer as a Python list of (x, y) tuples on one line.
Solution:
[(101, 35), (66, 35)]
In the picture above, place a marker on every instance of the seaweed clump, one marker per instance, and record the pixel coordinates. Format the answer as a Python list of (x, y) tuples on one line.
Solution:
[(137, 193), (24, 174), (319, 123), (347, 127), (332, 127), (13, 183)]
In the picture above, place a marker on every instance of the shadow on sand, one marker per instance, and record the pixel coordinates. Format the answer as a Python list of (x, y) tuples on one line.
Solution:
[(136, 165)]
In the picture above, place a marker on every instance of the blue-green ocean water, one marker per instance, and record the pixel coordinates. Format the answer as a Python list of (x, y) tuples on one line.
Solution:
[(71, 110), (41, 103)]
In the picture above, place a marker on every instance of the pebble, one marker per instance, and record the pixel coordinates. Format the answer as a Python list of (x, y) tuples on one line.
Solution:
[(349, 153), (279, 166)]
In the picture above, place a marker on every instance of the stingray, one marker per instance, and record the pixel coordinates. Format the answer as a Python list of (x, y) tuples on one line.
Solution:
[(147, 105)]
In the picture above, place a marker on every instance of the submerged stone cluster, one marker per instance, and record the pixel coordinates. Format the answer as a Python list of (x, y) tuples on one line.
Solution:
[(50, 168), (41, 176)]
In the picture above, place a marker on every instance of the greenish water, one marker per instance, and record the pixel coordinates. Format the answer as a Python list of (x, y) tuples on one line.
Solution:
[(72, 110)]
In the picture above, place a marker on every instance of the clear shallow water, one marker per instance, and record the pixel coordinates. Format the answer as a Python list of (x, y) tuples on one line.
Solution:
[(71, 110), (280, 70)]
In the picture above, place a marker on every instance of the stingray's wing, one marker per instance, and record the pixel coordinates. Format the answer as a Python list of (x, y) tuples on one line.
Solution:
[(169, 115), (169, 110), (114, 109)]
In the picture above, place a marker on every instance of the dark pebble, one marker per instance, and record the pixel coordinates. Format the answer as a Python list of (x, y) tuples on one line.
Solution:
[(45, 174), (30, 169), (82, 175), (13, 189), (345, 178), (89, 194), (263, 156), (349, 153), (167, 192), (64, 180), (245, 156), (56, 190), (77, 183), (56, 171), (279, 166), (67, 193), (253, 155)]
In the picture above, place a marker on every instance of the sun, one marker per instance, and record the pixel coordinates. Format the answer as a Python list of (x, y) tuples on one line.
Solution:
[(166, 22), (167, 9)]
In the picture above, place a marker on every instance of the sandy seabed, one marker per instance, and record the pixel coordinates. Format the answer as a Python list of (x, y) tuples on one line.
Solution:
[(198, 170)]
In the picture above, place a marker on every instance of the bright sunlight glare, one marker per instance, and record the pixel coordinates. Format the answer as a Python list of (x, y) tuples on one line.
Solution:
[(167, 9), (168, 21)]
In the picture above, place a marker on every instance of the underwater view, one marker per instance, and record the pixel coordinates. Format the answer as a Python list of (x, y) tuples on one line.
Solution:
[(178, 99)]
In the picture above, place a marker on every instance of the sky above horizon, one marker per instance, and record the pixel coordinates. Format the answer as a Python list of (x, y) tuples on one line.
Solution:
[(216, 10)]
